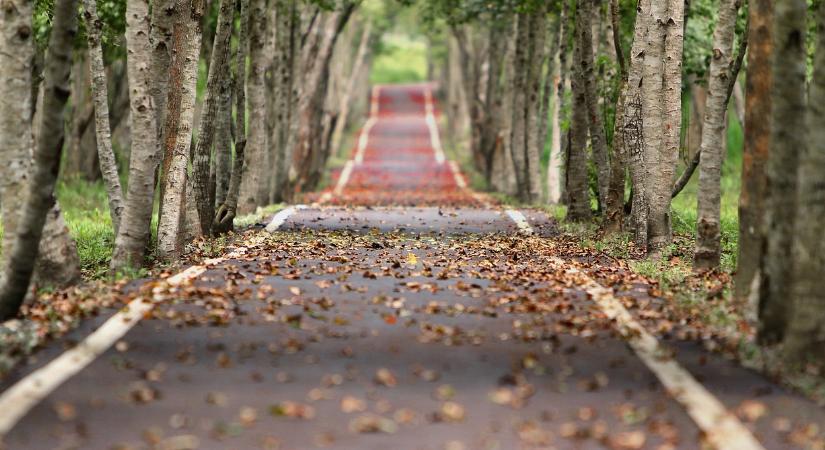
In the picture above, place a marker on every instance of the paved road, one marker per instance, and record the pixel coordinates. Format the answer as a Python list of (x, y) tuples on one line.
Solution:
[(429, 326)]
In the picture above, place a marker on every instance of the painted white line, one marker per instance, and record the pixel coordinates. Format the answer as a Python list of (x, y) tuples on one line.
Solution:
[(520, 220), (721, 428), (344, 178), (19, 399), (364, 140), (459, 179), (24, 395), (435, 139), (374, 97), (282, 217)]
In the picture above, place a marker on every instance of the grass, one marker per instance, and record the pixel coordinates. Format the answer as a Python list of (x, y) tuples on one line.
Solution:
[(86, 211)]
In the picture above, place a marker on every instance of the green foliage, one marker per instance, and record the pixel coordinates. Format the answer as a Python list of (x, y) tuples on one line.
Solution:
[(401, 59), (85, 208)]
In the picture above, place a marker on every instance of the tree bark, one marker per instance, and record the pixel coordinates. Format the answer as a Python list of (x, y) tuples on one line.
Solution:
[(534, 146), (164, 13), (81, 159), (134, 233), (217, 88), (662, 102), (308, 157), (788, 139), (225, 215), (554, 167), (223, 146), (578, 205), (614, 207), (40, 196), (490, 138), (598, 141), (254, 188), (634, 125), (100, 96), (285, 93), (16, 55), (519, 125), (756, 150), (709, 198), (183, 77), (805, 340), (364, 46)]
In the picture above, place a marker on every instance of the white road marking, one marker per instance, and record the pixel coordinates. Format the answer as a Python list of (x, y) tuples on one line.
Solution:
[(520, 220), (282, 217), (364, 139), (435, 139), (721, 428), (457, 176), (374, 97), (343, 178), (24, 395)]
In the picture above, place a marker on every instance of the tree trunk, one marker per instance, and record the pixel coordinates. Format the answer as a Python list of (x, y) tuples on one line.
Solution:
[(81, 159), (217, 88), (40, 196), (164, 13), (598, 141), (805, 340), (134, 234), (254, 190), (225, 214), (16, 54), (58, 264), (519, 125), (634, 125), (533, 145), (364, 47), (756, 150), (709, 198), (578, 191), (223, 147), (490, 137), (614, 208), (554, 167), (308, 156), (788, 140), (100, 96), (180, 102), (284, 94), (660, 233)]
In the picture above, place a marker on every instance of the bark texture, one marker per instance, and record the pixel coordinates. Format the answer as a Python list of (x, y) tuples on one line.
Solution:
[(788, 139), (217, 88), (578, 204), (595, 125), (805, 340), (709, 198), (633, 133), (756, 150), (134, 234), (225, 215), (364, 47), (254, 188), (614, 206), (178, 125), (106, 155), (16, 53), (40, 192)]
